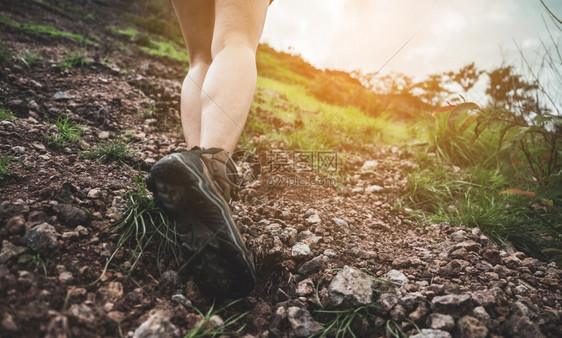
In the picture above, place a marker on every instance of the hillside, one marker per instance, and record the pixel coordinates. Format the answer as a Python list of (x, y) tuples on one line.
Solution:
[(89, 101)]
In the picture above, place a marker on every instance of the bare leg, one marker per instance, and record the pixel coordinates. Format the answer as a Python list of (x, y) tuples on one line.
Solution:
[(196, 18), (230, 83)]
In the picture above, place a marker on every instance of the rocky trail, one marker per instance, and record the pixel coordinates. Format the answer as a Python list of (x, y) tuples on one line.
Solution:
[(317, 248)]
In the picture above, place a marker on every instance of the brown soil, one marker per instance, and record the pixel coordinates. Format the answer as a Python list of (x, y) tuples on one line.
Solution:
[(370, 233)]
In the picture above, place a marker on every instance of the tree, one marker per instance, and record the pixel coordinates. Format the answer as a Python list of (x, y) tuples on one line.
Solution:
[(509, 90), (466, 77)]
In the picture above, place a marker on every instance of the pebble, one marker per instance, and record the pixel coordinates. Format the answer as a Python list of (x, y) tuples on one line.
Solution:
[(455, 305), (370, 165), (70, 215), (18, 150), (66, 277), (301, 322), (158, 325), (431, 333), (62, 96), (41, 238), (440, 321), (95, 193), (300, 250), (373, 189), (396, 276), (470, 327), (305, 287), (350, 287), (9, 250)]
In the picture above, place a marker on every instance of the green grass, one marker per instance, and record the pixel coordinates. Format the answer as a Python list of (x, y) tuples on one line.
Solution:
[(36, 261), (5, 54), (205, 329), (29, 58), (110, 150), (44, 30), (74, 59), (67, 133), (4, 161), (143, 225), (5, 114), (160, 47)]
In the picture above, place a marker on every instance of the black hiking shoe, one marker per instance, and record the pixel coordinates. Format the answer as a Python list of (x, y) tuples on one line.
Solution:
[(194, 187)]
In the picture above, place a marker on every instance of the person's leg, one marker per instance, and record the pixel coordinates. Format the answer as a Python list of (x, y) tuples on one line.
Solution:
[(230, 83), (196, 19)]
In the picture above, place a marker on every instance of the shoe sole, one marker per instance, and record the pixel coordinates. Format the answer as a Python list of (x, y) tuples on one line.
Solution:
[(221, 254)]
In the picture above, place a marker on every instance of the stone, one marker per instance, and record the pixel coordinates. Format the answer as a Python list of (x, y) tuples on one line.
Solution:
[(373, 189), (62, 96), (95, 193), (369, 165), (431, 333), (330, 253), (301, 322), (8, 322), (470, 327), (458, 236), (313, 219), (455, 305), (313, 265), (468, 246), (396, 276), (340, 223), (522, 327), (10, 250), (440, 321), (181, 299), (480, 313), (350, 287), (308, 237), (41, 238), (401, 262), (420, 312), (66, 277), (387, 301), (70, 215), (9, 209), (82, 312), (18, 150), (305, 287), (483, 298), (158, 325), (15, 225), (58, 327), (103, 135), (300, 250), (82, 231)]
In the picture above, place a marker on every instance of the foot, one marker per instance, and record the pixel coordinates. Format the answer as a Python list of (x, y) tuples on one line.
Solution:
[(194, 187)]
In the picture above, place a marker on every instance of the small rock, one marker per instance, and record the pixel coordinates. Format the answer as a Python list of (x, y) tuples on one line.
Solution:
[(483, 298), (301, 322), (181, 299), (387, 301), (455, 305), (340, 223), (313, 265), (522, 327), (19, 150), (313, 219), (458, 236), (330, 253), (9, 250), (66, 277), (480, 313), (468, 245), (9, 209), (41, 238), (300, 250), (62, 96), (58, 327), (431, 333), (373, 188), (396, 276), (158, 325), (103, 135), (70, 215), (470, 327), (8, 322), (82, 231), (308, 237), (70, 235), (350, 287), (305, 287), (440, 321), (82, 312), (95, 193), (397, 313), (401, 262), (369, 165), (15, 225)]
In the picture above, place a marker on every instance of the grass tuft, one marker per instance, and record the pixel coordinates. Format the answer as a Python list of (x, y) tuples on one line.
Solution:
[(75, 59), (5, 114), (110, 150), (4, 161), (68, 132), (205, 327)]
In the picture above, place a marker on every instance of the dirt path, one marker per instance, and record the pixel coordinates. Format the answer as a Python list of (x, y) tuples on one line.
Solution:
[(451, 280)]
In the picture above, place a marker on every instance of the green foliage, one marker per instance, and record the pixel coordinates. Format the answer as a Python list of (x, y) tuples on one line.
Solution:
[(206, 328), (29, 58), (67, 132), (5, 114), (34, 260), (74, 59), (110, 150), (143, 225), (5, 54), (4, 161), (344, 320), (43, 30)]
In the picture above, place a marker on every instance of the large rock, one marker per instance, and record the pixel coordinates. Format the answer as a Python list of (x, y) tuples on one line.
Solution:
[(158, 325), (301, 322), (350, 287), (454, 305), (41, 238), (470, 327)]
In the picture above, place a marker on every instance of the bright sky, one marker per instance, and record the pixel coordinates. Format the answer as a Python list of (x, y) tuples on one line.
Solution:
[(449, 34)]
